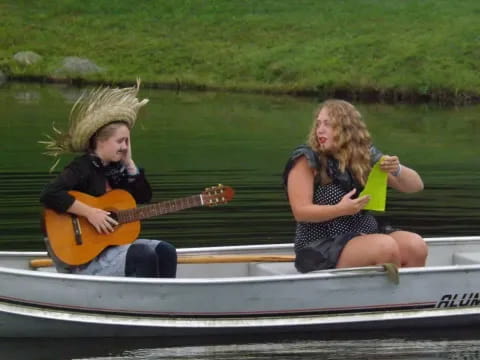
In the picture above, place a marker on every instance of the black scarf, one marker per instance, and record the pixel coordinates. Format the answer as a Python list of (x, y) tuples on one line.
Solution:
[(115, 172)]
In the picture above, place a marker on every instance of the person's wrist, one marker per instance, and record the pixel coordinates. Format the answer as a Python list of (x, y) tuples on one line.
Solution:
[(398, 171), (131, 168), (338, 210), (133, 171)]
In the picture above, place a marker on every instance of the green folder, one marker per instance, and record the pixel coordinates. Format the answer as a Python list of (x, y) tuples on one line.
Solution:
[(376, 187)]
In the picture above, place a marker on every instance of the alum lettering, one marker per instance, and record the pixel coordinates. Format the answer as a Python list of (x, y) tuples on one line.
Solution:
[(458, 300)]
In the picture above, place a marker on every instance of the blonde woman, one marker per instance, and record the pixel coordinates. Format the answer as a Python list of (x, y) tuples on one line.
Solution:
[(100, 125), (323, 180)]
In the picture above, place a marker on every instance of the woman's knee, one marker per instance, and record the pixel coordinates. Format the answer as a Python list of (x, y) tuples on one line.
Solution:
[(372, 249), (166, 250), (141, 261), (167, 259), (386, 249), (413, 247), (420, 246)]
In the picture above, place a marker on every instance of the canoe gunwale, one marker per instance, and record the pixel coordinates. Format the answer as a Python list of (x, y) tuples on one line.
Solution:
[(245, 249)]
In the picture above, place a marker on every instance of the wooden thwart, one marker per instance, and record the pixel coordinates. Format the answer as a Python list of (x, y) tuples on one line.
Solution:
[(200, 259)]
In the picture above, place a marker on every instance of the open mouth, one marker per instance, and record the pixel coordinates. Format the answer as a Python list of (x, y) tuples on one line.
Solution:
[(322, 140)]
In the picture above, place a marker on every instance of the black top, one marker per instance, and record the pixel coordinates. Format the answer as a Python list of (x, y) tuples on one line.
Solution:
[(344, 179), (87, 174), (331, 194)]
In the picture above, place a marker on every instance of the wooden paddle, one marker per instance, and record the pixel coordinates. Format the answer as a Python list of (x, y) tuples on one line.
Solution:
[(200, 259)]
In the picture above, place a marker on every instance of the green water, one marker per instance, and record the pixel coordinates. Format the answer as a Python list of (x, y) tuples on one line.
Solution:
[(188, 141)]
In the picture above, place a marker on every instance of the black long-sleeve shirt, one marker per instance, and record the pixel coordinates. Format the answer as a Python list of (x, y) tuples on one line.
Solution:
[(87, 174)]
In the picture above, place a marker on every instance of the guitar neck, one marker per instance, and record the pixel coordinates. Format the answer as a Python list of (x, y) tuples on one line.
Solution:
[(161, 208)]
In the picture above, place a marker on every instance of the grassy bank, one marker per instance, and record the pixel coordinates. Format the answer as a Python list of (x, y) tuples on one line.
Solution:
[(364, 49)]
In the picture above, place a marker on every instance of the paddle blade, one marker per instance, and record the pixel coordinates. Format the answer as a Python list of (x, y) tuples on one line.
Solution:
[(216, 195), (376, 188)]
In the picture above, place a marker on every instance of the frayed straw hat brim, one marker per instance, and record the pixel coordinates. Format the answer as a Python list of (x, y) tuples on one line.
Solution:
[(92, 111)]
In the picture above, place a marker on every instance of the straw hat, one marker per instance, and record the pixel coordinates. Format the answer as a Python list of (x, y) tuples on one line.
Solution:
[(92, 111)]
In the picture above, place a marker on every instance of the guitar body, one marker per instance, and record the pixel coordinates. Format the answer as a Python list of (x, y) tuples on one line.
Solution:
[(74, 241)]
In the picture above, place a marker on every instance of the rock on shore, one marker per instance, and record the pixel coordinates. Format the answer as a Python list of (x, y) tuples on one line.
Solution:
[(27, 57), (75, 66)]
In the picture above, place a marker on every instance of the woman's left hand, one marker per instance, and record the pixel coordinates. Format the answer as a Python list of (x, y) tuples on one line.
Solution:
[(127, 156), (390, 164), (127, 159)]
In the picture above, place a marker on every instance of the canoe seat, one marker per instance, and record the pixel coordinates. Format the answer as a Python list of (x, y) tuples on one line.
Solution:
[(279, 268), (466, 258)]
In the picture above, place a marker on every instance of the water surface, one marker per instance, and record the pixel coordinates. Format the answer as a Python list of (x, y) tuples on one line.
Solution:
[(454, 344), (188, 141)]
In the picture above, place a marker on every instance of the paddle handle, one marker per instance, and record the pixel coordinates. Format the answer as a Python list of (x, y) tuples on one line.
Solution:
[(39, 263), (210, 259), (200, 259)]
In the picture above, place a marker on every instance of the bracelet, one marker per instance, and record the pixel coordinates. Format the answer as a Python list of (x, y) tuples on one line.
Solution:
[(398, 171), (136, 172)]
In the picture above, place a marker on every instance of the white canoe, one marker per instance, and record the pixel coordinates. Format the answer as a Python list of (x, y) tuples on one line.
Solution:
[(243, 297)]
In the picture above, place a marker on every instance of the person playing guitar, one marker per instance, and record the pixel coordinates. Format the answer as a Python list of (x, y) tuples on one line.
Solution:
[(100, 125)]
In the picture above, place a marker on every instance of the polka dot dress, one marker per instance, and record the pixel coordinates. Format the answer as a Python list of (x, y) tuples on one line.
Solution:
[(331, 194)]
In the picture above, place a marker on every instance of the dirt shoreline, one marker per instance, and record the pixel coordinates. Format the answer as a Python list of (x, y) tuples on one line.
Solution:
[(444, 97)]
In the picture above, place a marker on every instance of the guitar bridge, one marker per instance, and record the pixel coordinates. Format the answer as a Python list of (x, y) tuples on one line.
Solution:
[(77, 230)]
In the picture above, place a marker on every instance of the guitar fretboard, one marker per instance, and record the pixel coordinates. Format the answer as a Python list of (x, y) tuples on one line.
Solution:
[(161, 208)]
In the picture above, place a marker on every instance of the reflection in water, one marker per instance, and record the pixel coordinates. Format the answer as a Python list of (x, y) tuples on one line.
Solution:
[(258, 213), (355, 350), (403, 347), (27, 97), (69, 93)]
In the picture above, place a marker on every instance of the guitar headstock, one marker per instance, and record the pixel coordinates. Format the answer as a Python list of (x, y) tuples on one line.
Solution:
[(216, 195)]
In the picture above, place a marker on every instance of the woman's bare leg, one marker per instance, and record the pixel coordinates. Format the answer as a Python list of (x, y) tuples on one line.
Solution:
[(367, 250), (413, 249)]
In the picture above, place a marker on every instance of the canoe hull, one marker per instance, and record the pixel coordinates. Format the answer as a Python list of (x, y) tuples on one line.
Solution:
[(23, 322), (241, 298)]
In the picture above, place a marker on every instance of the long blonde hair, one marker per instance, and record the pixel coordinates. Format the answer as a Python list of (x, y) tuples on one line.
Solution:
[(351, 140)]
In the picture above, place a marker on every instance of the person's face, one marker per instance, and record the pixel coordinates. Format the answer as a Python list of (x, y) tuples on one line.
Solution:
[(324, 131), (115, 147)]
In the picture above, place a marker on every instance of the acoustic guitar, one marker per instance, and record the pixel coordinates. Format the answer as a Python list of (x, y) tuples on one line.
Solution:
[(74, 241)]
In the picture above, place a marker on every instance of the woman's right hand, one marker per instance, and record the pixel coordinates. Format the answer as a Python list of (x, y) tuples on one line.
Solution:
[(349, 206), (101, 220)]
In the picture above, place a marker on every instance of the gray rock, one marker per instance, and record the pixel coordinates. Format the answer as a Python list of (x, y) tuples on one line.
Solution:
[(27, 57), (78, 66)]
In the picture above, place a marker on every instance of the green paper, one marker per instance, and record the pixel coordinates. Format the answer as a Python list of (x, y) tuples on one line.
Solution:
[(376, 188)]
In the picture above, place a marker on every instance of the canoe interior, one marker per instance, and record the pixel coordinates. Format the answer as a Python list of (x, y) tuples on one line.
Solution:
[(446, 251)]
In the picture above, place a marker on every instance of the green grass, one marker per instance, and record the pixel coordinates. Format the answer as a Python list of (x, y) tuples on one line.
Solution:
[(365, 49)]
